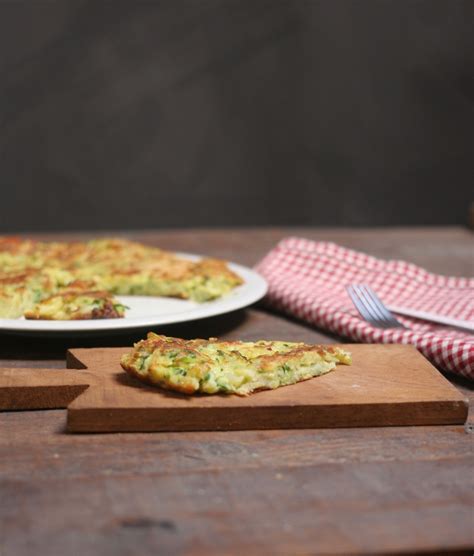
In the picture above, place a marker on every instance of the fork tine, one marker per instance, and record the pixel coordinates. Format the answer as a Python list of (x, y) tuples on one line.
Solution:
[(373, 307), (377, 318), (388, 317), (377, 302), (360, 306), (363, 307), (384, 316)]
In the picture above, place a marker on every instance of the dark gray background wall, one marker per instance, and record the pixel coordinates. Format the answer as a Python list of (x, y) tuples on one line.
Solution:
[(175, 113)]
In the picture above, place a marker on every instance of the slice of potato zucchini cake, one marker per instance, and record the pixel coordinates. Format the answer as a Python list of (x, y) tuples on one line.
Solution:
[(212, 367)]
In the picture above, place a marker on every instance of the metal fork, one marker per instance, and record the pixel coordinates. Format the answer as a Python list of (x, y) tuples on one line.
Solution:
[(371, 308)]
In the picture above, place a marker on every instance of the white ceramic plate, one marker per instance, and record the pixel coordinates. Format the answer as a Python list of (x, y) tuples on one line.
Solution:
[(152, 311)]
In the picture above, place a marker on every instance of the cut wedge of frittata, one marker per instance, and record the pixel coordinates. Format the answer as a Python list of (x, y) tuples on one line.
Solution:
[(213, 367)]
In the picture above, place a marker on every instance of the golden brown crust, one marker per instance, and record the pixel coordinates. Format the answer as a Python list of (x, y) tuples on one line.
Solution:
[(118, 266), (210, 366)]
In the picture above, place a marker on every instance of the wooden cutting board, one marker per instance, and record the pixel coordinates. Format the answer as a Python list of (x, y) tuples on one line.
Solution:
[(386, 385)]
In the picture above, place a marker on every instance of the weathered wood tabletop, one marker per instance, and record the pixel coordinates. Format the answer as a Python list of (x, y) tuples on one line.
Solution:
[(344, 491)]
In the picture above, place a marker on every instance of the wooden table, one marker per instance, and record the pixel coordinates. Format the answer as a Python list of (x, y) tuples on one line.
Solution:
[(345, 491)]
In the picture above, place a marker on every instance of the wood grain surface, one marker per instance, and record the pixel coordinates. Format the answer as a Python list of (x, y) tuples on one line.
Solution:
[(395, 490), (22, 389), (386, 385)]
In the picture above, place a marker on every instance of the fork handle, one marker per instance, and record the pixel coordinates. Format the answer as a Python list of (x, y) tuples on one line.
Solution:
[(456, 323)]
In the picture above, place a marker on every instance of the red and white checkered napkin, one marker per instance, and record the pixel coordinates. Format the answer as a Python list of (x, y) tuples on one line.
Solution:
[(307, 279)]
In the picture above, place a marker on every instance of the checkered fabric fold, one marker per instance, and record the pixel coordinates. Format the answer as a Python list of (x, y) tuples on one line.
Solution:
[(307, 279)]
